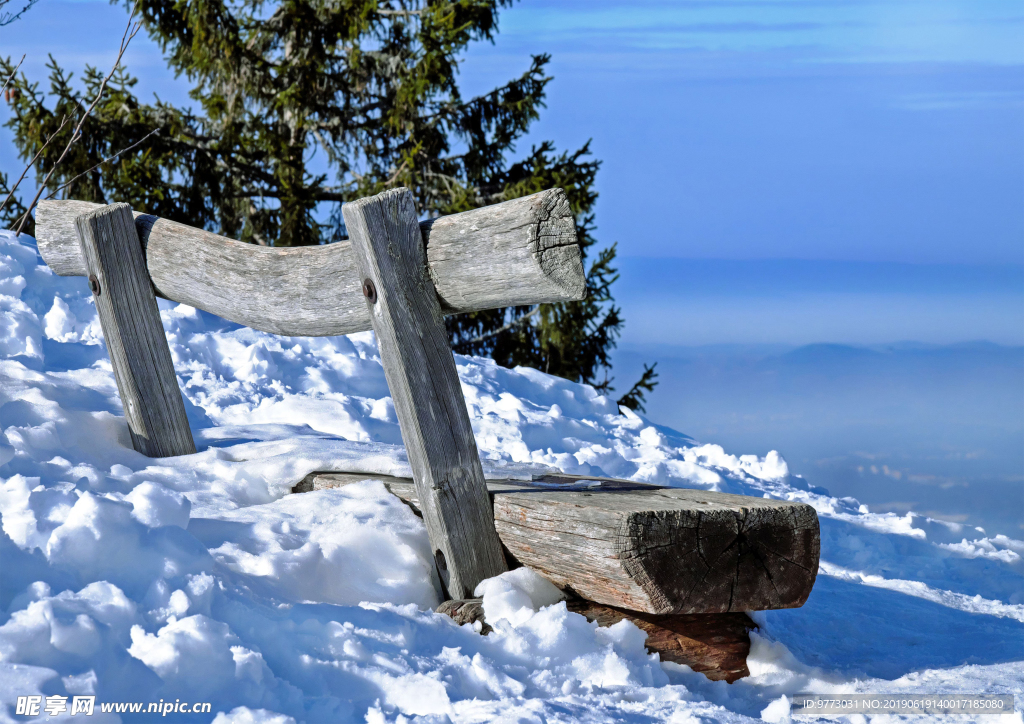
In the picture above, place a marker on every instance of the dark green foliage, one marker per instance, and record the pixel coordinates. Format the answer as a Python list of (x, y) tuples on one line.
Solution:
[(634, 398), (306, 104), (14, 208), (164, 176)]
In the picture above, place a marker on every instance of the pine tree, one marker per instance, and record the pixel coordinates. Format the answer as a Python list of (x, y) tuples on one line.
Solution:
[(306, 104)]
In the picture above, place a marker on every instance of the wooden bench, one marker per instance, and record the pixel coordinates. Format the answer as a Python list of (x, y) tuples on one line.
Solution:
[(619, 548)]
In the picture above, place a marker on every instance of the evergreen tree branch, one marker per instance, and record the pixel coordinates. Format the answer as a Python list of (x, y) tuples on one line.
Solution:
[(15, 208), (468, 344), (635, 398), (278, 81), (111, 157)]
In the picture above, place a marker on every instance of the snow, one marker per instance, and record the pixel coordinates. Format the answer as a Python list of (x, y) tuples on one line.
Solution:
[(200, 578), (512, 597)]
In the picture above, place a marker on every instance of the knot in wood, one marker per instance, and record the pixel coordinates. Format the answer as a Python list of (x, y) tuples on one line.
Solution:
[(94, 285)]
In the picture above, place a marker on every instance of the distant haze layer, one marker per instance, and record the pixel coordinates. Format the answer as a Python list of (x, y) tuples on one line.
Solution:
[(705, 301), (938, 429)]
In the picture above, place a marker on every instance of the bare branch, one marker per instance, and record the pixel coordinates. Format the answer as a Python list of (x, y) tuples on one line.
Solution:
[(397, 173), (12, 74), (108, 158), (130, 31), (32, 163), (8, 18), (401, 13), (258, 237), (323, 144)]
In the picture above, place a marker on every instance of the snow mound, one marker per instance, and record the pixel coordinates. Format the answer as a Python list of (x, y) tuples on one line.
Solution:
[(200, 578)]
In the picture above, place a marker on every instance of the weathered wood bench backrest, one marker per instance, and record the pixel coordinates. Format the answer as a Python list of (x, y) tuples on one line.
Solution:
[(519, 252)]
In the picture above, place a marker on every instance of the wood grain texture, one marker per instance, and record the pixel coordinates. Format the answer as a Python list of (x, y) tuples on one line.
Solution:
[(134, 333), (514, 253), (535, 231), (645, 548), (425, 388), (713, 644), (666, 551)]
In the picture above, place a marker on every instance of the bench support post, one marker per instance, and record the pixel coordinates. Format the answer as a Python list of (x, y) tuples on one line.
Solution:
[(133, 332), (424, 383)]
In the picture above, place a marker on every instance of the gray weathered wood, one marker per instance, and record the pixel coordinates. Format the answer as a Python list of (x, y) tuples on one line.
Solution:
[(515, 253), (464, 611), (645, 548), (525, 233), (425, 387), (134, 333)]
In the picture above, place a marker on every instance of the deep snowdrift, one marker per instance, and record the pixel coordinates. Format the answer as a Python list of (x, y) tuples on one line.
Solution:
[(201, 578)]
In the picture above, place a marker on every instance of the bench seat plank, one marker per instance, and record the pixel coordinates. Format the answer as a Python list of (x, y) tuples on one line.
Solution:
[(647, 548)]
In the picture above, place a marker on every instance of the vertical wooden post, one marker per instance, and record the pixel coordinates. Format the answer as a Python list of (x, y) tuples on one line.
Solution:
[(133, 332), (424, 383)]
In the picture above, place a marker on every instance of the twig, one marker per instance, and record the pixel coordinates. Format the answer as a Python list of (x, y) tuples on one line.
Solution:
[(394, 176), (8, 18), (129, 33), (255, 234), (399, 12), (12, 74), (32, 163), (323, 144), (484, 337), (108, 158)]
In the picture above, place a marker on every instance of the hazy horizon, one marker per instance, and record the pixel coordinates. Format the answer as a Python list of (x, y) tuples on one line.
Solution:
[(795, 301), (936, 428)]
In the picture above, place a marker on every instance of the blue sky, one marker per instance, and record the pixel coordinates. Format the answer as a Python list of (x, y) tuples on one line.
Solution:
[(886, 136), (881, 131)]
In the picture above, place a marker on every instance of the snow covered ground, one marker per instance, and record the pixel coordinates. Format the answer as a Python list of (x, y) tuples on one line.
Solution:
[(200, 578)]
